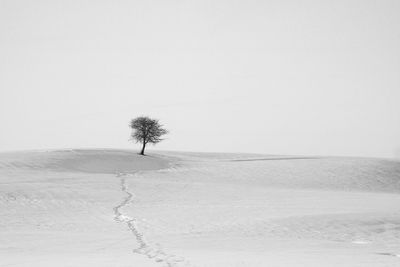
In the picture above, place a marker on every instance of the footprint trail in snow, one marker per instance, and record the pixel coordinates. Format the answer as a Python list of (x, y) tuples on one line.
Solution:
[(153, 252)]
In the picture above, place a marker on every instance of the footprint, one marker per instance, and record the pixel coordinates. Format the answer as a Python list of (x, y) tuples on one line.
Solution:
[(388, 254)]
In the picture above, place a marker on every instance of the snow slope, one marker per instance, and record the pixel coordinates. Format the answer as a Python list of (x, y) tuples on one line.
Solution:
[(56, 208), (115, 208)]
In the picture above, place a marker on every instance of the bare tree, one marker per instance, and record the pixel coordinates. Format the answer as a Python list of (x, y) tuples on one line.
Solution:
[(146, 130)]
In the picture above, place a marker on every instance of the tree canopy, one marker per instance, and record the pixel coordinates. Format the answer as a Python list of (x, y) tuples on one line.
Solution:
[(146, 130)]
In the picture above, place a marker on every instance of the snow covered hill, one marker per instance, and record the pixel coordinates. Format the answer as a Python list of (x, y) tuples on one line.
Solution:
[(114, 208)]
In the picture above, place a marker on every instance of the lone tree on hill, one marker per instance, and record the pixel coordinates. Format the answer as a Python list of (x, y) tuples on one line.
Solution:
[(146, 130)]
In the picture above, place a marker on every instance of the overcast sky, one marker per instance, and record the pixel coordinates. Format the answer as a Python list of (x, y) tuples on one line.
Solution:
[(277, 77)]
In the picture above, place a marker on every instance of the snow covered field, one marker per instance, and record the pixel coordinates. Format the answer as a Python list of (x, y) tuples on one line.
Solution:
[(115, 208)]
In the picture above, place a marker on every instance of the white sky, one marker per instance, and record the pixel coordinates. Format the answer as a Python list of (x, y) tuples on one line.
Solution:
[(277, 77)]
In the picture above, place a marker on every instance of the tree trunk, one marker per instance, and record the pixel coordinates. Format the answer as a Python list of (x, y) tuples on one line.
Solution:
[(143, 147)]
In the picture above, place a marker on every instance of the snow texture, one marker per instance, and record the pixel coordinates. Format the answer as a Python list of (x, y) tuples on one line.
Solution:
[(115, 208)]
